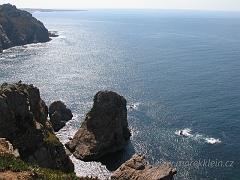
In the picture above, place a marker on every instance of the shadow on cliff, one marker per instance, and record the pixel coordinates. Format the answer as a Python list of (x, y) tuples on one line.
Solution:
[(115, 160)]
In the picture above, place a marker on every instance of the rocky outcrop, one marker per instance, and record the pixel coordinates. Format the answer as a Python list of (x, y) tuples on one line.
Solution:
[(104, 130), (18, 27), (58, 113), (23, 122), (138, 168), (7, 148)]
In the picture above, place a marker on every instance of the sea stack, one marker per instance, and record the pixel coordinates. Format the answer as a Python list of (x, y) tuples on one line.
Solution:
[(104, 130), (58, 113)]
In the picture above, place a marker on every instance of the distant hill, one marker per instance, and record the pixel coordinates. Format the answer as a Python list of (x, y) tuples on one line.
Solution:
[(33, 10), (18, 27)]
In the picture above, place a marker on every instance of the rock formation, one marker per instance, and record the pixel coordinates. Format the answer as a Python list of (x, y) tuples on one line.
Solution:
[(104, 130), (138, 168), (7, 148), (23, 122), (58, 113), (18, 27)]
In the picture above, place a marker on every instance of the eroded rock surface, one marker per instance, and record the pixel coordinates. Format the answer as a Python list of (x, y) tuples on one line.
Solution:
[(7, 147), (138, 168), (104, 130)]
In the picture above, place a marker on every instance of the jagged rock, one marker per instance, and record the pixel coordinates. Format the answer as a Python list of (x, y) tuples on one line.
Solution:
[(138, 168), (53, 33), (18, 27), (23, 122), (104, 130), (7, 147), (58, 113)]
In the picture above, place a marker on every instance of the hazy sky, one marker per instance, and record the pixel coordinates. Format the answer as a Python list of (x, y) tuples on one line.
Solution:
[(226, 5)]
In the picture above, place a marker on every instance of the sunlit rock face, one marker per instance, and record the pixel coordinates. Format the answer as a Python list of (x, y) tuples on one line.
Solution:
[(138, 168), (104, 130)]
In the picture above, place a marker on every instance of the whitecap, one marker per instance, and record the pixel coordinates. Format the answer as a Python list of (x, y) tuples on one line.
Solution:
[(212, 140), (197, 137), (133, 106), (184, 132)]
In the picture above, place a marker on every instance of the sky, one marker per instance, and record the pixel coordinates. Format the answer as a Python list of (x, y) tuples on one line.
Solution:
[(222, 5)]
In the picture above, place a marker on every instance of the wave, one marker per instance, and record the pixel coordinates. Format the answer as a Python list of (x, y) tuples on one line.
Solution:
[(198, 137), (212, 140)]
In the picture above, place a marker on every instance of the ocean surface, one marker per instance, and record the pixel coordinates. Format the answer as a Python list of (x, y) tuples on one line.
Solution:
[(179, 70)]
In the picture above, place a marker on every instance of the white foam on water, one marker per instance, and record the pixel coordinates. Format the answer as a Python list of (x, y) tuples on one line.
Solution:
[(133, 106), (198, 137), (185, 132), (212, 140)]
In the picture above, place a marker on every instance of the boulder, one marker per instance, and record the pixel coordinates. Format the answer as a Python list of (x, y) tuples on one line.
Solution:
[(138, 168), (58, 113), (104, 130), (24, 123)]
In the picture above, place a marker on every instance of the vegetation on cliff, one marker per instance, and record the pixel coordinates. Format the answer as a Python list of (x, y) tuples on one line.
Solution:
[(13, 167), (19, 27)]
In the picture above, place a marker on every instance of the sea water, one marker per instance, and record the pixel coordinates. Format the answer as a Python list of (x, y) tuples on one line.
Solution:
[(178, 70)]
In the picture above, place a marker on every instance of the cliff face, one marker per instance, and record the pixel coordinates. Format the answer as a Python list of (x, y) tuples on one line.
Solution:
[(105, 129), (19, 28), (23, 122)]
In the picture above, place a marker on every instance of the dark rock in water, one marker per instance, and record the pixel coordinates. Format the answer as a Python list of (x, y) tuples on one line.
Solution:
[(23, 122), (53, 33), (18, 27), (105, 129), (138, 168), (59, 113)]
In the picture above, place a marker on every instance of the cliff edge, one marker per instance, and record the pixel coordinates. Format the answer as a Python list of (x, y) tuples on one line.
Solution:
[(24, 123), (19, 27)]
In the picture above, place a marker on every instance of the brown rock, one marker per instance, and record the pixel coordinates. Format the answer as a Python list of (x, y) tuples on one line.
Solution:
[(138, 168), (7, 147), (105, 129), (23, 122)]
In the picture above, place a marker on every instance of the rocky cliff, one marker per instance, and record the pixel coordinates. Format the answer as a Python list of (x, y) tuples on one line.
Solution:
[(23, 122), (104, 130), (138, 168), (18, 27)]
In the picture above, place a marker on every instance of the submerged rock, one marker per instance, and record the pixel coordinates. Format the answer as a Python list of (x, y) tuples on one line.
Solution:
[(59, 113), (23, 122), (138, 168), (19, 27), (104, 130)]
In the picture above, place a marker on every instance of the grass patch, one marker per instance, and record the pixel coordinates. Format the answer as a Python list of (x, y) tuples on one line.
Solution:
[(52, 138), (10, 163)]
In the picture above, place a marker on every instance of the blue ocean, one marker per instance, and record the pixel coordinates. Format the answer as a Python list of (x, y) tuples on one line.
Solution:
[(178, 70)]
